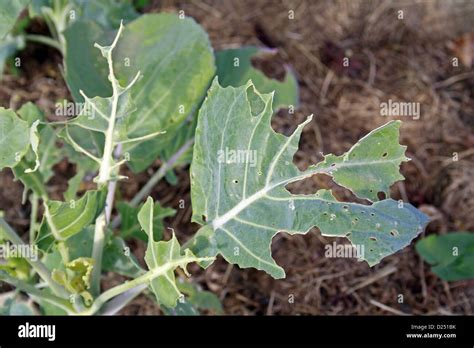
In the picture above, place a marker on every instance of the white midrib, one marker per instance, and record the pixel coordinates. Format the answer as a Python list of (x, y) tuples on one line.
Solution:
[(232, 213)]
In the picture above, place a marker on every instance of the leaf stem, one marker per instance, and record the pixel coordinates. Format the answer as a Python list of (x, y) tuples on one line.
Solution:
[(155, 178), (45, 40), (37, 293), (33, 217), (105, 171), (139, 281)]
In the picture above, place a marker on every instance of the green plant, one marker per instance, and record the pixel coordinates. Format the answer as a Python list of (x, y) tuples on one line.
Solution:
[(144, 97), (451, 255)]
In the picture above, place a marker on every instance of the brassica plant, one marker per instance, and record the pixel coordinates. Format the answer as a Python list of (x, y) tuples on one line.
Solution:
[(150, 90)]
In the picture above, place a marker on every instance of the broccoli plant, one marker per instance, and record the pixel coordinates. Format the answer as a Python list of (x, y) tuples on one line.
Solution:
[(150, 90)]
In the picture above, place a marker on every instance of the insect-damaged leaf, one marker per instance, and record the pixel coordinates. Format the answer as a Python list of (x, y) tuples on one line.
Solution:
[(451, 255), (162, 258), (242, 201), (176, 60)]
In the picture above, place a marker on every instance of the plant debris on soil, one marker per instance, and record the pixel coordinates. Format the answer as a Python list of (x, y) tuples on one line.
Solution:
[(403, 59)]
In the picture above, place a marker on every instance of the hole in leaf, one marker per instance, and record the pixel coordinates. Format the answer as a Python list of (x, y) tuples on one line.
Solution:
[(235, 181), (372, 214), (394, 233), (385, 154), (348, 234), (373, 238), (204, 218), (381, 195)]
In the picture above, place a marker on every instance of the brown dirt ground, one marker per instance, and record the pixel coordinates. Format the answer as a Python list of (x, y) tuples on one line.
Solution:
[(406, 60)]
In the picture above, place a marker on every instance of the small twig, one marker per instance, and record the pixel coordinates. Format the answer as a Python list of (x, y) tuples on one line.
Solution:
[(379, 275), (387, 308)]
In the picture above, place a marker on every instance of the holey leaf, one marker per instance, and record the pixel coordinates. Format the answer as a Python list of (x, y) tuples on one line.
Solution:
[(162, 258), (240, 169)]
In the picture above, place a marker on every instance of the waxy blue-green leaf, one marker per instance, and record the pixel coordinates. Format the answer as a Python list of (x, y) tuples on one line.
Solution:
[(62, 220), (162, 258), (234, 68), (450, 255), (14, 138), (9, 12), (176, 60), (240, 170)]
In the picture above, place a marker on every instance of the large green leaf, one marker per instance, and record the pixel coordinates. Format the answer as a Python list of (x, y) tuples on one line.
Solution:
[(106, 13), (242, 201), (162, 258), (14, 138), (130, 227), (450, 255), (9, 11), (177, 64), (234, 68)]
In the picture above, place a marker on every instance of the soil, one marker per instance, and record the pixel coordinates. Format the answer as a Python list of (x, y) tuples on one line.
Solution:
[(403, 59)]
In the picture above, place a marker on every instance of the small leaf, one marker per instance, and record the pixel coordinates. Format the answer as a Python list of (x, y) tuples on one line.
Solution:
[(34, 142), (69, 218), (234, 68), (450, 255), (162, 258), (232, 197), (73, 185), (130, 227), (118, 258), (76, 277), (14, 138)]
